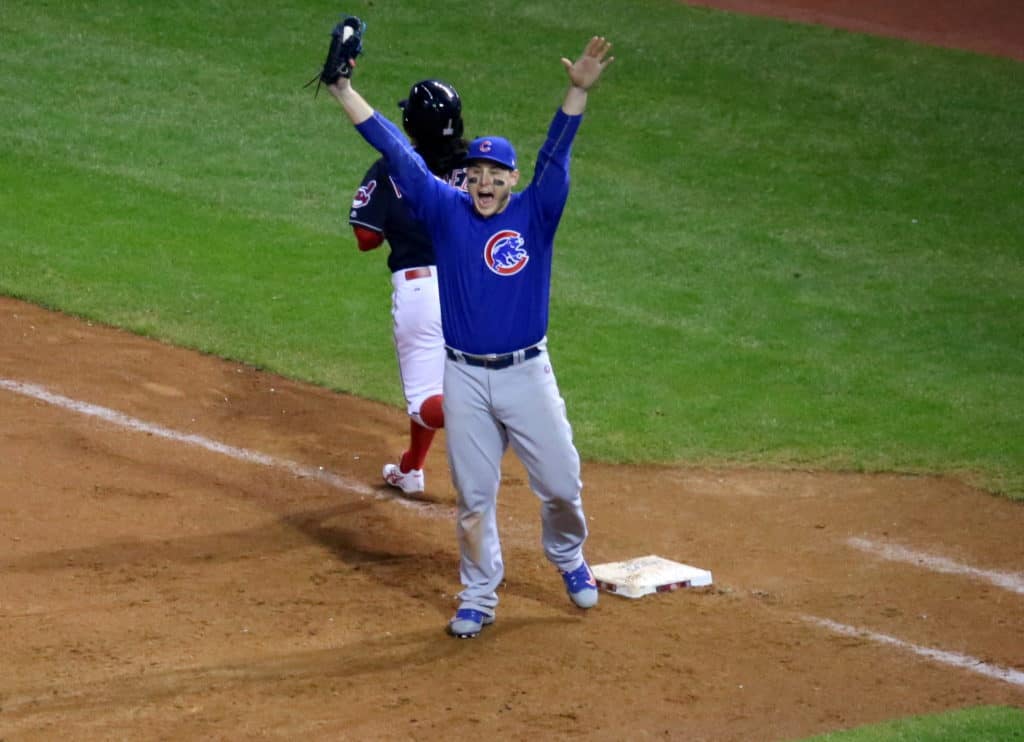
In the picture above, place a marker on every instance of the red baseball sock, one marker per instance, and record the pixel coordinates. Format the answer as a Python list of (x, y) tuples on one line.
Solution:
[(420, 439)]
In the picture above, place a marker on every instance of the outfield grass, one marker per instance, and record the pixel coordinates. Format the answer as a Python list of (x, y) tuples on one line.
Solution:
[(785, 246)]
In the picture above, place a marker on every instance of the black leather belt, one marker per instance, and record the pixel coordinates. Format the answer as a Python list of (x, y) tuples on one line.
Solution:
[(504, 360)]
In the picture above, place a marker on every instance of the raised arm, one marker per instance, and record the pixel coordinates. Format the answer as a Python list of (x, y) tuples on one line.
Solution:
[(417, 184), (584, 74), (355, 105)]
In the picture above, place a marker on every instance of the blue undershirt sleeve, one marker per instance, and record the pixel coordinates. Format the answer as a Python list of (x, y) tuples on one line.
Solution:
[(551, 174)]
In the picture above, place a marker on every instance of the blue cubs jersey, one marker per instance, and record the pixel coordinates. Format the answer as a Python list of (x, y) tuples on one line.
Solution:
[(494, 273)]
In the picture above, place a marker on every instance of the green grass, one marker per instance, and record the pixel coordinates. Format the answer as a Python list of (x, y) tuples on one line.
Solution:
[(987, 724), (785, 246)]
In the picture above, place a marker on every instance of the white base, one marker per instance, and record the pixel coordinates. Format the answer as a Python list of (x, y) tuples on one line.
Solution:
[(635, 578)]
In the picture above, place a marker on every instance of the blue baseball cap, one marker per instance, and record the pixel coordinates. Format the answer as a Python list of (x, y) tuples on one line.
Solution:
[(495, 149)]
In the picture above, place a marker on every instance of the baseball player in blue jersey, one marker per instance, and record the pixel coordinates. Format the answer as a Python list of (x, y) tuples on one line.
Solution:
[(432, 117), (493, 249)]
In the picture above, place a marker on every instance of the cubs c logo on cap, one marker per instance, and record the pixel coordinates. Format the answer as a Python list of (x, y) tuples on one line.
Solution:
[(363, 195), (505, 253), (495, 149)]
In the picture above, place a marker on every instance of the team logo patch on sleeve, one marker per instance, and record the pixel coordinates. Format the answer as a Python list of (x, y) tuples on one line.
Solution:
[(363, 195), (505, 253)]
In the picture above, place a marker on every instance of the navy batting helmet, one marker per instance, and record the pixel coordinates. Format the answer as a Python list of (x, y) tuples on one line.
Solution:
[(433, 110)]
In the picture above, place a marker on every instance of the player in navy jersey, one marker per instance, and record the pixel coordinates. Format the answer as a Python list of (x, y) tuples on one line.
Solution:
[(494, 250), (432, 117)]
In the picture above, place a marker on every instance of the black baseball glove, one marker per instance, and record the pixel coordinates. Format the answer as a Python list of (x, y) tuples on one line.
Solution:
[(346, 45)]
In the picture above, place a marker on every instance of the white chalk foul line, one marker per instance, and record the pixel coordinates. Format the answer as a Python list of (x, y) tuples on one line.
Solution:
[(1006, 580), (953, 659), (241, 454)]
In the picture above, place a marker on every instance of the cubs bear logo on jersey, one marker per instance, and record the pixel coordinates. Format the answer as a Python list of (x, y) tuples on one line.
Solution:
[(505, 252), (364, 194)]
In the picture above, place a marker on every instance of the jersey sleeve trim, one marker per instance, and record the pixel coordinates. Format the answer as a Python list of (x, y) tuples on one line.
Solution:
[(355, 223)]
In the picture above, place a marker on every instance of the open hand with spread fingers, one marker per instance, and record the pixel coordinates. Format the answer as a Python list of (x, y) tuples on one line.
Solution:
[(586, 70)]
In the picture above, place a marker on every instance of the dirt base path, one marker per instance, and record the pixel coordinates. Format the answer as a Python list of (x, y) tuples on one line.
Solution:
[(191, 549)]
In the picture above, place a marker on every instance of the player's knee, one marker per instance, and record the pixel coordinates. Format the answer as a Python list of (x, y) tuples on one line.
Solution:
[(564, 490), (431, 413)]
